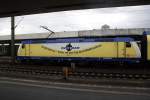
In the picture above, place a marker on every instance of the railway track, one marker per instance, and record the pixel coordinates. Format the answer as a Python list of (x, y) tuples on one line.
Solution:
[(39, 70), (5, 59), (110, 75)]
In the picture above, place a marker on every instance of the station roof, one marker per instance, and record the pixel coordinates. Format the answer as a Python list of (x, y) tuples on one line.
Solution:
[(82, 33), (22, 7)]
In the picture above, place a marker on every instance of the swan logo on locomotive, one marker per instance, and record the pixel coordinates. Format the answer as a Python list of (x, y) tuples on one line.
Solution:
[(69, 47)]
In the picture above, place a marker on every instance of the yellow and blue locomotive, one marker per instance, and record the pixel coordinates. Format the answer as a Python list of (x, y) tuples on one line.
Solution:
[(76, 49)]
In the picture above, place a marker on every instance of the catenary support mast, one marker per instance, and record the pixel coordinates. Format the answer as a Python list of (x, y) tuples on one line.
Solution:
[(13, 39)]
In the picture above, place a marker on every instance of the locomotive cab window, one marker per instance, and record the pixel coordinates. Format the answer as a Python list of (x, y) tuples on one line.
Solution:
[(23, 45), (128, 44)]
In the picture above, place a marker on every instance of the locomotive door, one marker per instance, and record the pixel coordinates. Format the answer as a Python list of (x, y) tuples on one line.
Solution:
[(121, 49), (27, 49)]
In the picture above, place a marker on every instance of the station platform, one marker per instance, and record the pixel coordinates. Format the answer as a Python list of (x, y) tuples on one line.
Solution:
[(24, 89)]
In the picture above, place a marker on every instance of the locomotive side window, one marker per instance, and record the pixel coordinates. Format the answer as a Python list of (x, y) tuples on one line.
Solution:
[(23, 45), (128, 44)]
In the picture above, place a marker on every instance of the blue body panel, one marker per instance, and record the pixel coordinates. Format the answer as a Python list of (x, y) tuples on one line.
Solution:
[(79, 59), (77, 39)]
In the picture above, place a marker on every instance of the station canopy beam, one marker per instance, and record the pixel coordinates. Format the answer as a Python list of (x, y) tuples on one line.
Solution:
[(23, 7)]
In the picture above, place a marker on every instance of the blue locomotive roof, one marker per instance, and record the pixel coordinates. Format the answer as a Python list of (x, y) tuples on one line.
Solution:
[(79, 39), (146, 32)]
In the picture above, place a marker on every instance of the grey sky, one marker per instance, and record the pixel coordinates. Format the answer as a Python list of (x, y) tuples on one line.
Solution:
[(118, 17)]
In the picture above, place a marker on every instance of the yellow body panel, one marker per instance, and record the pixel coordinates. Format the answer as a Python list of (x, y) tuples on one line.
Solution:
[(148, 47), (121, 49), (101, 50)]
